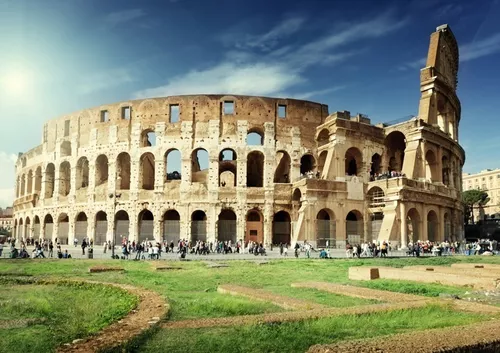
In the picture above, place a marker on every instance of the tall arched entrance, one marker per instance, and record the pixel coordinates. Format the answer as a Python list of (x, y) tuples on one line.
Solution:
[(36, 227), (326, 229), (282, 228), (63, 229), (198, 226), (226, 226), (171, 226), (81, 227), (122, 227), (254, 227), (146, 226), (27, 230), (447, 227), (354, 227), (101, 227), (432, 226), (20, 229), (413, 225)]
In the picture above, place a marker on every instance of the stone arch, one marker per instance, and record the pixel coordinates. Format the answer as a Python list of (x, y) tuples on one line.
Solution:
[(353, 161), (81, 228), (36, 227), (432, 226), (282, 173), (376, 197), (228, 167), (148, 138), (413, 225), (445, 170), (63, 228), (321, 161), (148, 107), (82, 173), (23, 185), (101, 227), (255, 106), (307, 164), (326, 231), (226, 226), (323, 137), (173, 164), (354, 227), (255, 137), (147, 171), (38, 180), (376, 167), (122, 227), (64, 178), (101, 170), (198, 226), (447, 227), (395, 146), (65, 149), (50, 176), (123, 171), (146, 222), (431, 166), (297, 195), (30, 182), (254, 226), (255, 169), (199, 165), (282, 229), (171, 226), (27, 228)]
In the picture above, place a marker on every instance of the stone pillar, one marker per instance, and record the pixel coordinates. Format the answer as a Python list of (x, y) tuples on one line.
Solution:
[(91, 228), (133, 226), (268, 224), (72, 191), (404, 226), (56, 183), (43, 186), (71, 230), (157, 233), (241, 165), (160, 174), (55, 230), (110, 233)]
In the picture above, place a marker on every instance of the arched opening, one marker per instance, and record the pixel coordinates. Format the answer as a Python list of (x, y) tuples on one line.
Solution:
[(20, 229), (255, 137), (430, 166), (148, 138), (36, 227), (255, 169), (226, 226), (198, 226), (326, 229), (322, 161), (375, 226), (27, 229), (101, 170), (413, 226), (307, 165), (323, 137), (375, 168), (282, 173), (38, 180), (395, 145), (445, 170), (123, 171), (122, 227), (101, 227), (297, 195), (376, 197), (23, 185), (353, 161), (282, 228), (64, 179), (173, 165), (147, 173), (447, 227), (354, 227), (432, 226), (30, 182), (82, 173), (171, 226), (227, 168), (254, 227), (146, 226), (81, 227), (63, 229), (66, 149), (199, 165)]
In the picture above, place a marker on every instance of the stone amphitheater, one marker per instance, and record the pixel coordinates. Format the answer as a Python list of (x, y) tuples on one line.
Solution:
[(242, 168)]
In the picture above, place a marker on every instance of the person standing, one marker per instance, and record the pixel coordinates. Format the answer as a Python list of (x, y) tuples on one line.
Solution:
[(84, 245)]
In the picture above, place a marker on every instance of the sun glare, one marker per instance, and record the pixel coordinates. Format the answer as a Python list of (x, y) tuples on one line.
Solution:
[(16, 82)]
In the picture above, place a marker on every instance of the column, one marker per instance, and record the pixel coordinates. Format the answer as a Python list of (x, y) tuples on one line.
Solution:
[(43, 188), (71, 230), (157, 233), (268, 224), (91, 228), (110, 233), (404, 226)]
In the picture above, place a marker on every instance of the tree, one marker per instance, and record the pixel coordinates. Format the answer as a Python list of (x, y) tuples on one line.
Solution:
[(471, 198)]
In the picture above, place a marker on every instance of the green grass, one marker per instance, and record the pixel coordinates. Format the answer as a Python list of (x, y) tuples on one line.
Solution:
[(65, 312), (299, 336)]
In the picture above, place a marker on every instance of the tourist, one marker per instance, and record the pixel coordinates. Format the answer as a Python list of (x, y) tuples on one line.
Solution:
[(84, 245), (348, 250)]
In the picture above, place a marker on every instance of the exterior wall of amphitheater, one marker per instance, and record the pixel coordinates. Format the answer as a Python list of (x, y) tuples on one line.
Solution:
[(106, 172)]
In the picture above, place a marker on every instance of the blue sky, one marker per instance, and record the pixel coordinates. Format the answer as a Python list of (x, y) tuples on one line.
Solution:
[(361, 56)]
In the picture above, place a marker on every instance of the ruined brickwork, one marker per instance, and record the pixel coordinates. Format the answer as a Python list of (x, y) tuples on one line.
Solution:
[(278, 170)]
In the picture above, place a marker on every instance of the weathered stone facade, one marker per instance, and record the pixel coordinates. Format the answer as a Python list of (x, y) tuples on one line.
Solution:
[(110, 171)]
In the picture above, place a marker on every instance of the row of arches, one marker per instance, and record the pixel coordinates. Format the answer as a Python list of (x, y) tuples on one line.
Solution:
[(432, 222)]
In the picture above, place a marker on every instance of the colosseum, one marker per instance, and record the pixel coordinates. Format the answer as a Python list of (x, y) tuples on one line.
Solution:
[(244, 168)]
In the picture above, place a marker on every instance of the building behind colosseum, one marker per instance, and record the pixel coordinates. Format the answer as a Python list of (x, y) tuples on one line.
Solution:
[(225, 167)]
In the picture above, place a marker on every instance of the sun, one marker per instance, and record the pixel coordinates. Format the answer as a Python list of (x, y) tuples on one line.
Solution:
[(16, 82)]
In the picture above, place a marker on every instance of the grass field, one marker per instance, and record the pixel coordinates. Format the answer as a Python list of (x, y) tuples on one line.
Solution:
[(192, 293)]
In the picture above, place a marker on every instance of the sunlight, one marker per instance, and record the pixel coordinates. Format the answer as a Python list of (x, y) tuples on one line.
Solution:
[(17, 81)]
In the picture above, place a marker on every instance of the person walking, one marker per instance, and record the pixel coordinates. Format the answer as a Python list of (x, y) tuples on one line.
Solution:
[(84, 245)]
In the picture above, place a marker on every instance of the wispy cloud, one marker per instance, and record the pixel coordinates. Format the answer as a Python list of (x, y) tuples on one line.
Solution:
[(318, 93), (274, 71), (119, 17), (7, 163), (104, 80)]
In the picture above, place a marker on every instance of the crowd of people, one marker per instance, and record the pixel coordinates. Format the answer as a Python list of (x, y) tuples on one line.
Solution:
[(40, 248), (386, 175)]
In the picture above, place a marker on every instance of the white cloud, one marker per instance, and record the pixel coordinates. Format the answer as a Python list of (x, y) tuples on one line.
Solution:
[(270, 73), (103, 80), (7, 178), (318, 93), (118, 17)]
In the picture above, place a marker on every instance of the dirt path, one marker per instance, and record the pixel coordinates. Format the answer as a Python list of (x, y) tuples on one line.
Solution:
[(481, 337), (276, 299)]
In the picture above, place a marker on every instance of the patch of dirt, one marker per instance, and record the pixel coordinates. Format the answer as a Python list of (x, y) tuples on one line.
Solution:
[(360, 292), (289, 316), (276, 299), (105, 269), (480, 337)]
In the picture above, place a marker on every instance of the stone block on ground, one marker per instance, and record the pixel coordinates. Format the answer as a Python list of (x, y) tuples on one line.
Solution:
[(363, 273), (168, 268), (97, 269)]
